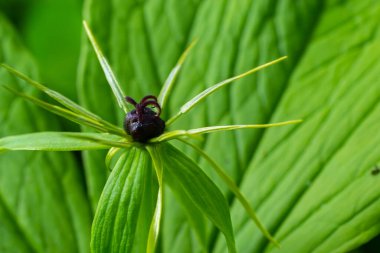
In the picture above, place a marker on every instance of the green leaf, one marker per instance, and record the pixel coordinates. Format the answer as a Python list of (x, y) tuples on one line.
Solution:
[(117, 91), (60, 141), (235, 190), (213, 129), (187, 232), (155, 226), (90, 98), (189, 182), (43, 202), (117, 214), (13, 236), (51, 93), (147, 213), (74, 117), (72, 106), (201, 96), (328, 172)]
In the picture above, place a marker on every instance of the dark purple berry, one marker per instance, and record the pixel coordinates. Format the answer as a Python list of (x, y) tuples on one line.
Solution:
[(143, 123)]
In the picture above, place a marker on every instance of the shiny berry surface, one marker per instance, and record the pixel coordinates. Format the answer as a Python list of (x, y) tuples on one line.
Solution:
[(144, 123)]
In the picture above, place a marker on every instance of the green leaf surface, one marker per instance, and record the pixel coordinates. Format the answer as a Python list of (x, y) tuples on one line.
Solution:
[(147, 212), (59, 141), (189, 183), (43, 202), (187, 232), (155, 225), (13, 237), (332, 197), (311, 184), (235, 190), (116, 217)]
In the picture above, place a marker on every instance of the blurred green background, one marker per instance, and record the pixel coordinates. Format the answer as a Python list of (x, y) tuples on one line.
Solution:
[(51, 31)]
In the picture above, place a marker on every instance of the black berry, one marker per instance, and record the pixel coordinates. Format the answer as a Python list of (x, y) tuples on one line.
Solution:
[(144, 123)]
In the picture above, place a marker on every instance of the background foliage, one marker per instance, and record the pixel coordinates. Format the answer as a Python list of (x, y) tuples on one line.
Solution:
[(312, 184)]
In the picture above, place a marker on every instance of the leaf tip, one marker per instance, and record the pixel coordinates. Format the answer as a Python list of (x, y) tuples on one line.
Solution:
[(187, 50), (85, 23), (87, 30)]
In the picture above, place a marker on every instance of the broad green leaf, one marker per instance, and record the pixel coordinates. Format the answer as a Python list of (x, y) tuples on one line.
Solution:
[(324, 167), (329, 80), (60, 141), (43, 202), (235, 190), (190, 183), (116, 218), (147, 212), (13, 236), (188, 232), (339, 150)]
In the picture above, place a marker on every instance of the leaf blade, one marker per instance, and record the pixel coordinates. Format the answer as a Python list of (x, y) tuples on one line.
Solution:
[(58, 141), (115, 221), (13, 232), (235, 190), (186, 178), (116, 89), (156, 221), (77, 118), (175, 134)]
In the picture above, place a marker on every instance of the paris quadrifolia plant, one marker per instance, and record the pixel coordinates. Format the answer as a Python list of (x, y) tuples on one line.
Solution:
[(142, 160)]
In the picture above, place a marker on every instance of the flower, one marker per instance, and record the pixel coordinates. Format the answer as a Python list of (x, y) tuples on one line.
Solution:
[(109, 136)]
